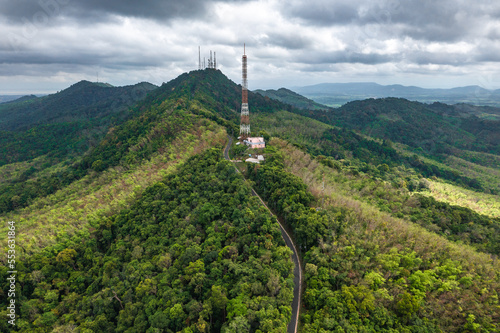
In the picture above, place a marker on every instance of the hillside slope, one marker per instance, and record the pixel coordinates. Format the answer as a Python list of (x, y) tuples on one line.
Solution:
[(82, 101), (438, 134), (180, 257), (434, 128), (65, 123), (368, 271), (208, 242), (289, 97)]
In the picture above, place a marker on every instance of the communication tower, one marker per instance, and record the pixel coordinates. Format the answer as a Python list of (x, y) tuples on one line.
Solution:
[(210, 63), (245, 113)]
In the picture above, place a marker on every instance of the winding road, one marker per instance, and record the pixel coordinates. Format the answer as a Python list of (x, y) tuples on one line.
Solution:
[(297, 270)]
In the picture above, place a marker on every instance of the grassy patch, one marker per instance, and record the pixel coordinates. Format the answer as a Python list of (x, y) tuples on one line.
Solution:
[(486, 204)]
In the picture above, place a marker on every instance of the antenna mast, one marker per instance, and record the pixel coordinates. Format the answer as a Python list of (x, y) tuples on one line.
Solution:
[(245, 113), (199, 57)]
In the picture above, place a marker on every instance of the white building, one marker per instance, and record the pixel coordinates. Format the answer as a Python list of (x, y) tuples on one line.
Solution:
[(255, 142), (252, 160)]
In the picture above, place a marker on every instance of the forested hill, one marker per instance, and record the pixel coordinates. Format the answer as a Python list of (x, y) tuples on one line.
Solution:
[(435, 128), (214, 89), (463, 137), (82, 101), (431, 127), (67, 122), (149, 229), (18, 99), (292, 98)]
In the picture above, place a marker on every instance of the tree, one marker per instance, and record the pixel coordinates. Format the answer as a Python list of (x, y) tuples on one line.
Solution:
[(407, 306), (66, 257), (237, 325)]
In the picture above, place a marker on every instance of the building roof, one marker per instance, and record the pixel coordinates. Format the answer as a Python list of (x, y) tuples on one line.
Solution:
[(252, 160), (256, 139)]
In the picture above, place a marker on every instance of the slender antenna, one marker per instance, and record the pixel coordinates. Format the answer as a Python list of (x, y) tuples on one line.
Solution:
[(199, 57), (215, 61)]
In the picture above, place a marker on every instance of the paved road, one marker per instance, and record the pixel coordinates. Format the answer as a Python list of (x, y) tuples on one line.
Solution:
[(226, 150), (297, 271)]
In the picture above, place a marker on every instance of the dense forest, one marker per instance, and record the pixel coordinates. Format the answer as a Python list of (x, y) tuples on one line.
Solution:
[(292, 98), (358, 279), (129, 219), (436, 131), (66, 123), (195, 252), (370, 272)]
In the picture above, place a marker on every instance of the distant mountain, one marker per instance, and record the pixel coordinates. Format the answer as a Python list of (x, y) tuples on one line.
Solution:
[(83, 100), (16, 99), (435, 128), (8, 98), (287, 96), (336, 94), (66, 122)]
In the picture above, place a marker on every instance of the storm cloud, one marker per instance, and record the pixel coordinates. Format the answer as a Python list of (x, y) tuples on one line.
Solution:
[(96, 10), (54, 43)]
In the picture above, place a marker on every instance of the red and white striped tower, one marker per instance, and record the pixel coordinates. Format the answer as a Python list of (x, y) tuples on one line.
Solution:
[(245, 114)]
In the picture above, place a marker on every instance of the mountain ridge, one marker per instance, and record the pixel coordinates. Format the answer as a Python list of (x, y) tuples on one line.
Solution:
[(290, 97), (71, 102), (336, 94)]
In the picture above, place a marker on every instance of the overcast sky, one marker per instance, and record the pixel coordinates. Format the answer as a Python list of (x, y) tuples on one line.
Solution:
[(47, 45)]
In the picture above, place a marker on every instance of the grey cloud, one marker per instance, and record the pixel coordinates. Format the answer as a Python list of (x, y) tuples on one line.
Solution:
[(493, 34), (373, 33), (345, 57), (489, 57), (114, 60), (37, 70), (96, 10), (444, 20), (322, 13), (289, 40), (319, 68), (490, 53), (439, 58)]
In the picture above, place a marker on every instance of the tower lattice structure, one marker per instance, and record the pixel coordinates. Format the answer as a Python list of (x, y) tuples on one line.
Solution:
[(245, 113)]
